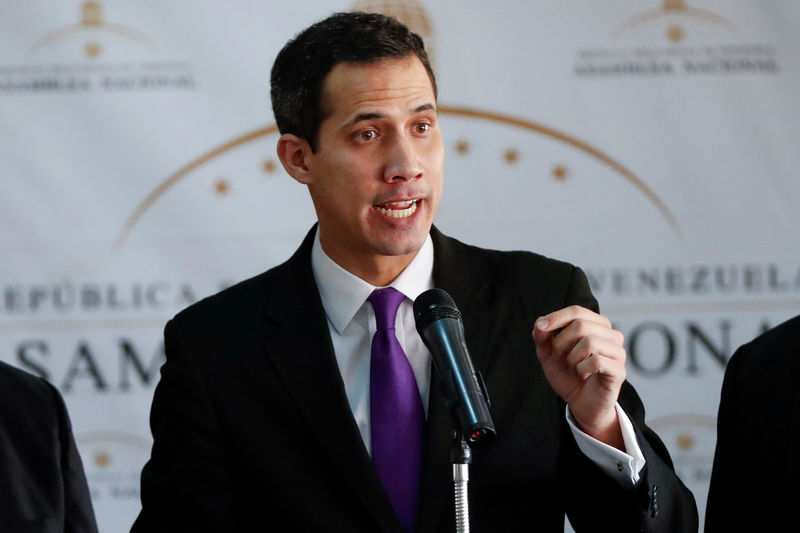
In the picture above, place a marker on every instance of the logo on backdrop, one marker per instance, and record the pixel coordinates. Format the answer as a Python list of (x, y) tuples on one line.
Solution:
[(676, 39), (409, 12), (513, 155), (676, 20), (94, 53), (691, 440), (91, 34), (113, 463)]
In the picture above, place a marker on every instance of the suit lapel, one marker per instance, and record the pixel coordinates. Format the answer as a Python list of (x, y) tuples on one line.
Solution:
[(455, 272), (302, 354)]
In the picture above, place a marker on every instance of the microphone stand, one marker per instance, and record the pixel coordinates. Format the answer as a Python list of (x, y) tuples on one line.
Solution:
[(461, 457)]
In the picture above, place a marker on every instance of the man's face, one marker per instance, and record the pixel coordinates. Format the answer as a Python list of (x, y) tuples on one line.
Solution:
[(377, 171)]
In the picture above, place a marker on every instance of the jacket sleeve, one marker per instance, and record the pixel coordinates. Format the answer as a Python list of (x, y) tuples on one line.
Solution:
[(659, 502), (185, 485), (78, 512)]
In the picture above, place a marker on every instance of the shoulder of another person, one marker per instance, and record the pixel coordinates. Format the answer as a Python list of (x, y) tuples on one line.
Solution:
[(777, 349), (23, 392)]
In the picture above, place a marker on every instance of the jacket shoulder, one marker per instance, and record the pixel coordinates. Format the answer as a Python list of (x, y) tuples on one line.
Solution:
[(522, 274), (23, 387), (511, 262), (29, 403), (235, 305), (774, 350)]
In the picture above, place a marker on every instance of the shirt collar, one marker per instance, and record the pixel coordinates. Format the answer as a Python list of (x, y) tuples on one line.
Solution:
[(343, 293)]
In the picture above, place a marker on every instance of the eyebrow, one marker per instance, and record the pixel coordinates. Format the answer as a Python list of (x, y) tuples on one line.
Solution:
[(371, 116)]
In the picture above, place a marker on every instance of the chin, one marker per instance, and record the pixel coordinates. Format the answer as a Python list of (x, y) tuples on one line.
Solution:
[(409, 244)]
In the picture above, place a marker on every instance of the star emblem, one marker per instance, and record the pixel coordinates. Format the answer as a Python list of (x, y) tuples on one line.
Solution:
[(269, 166), (221, 187), (511, 156)]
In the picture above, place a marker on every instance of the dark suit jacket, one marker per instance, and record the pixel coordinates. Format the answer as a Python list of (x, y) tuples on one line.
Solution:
[(252, 427), (757, 461), (42, 485)]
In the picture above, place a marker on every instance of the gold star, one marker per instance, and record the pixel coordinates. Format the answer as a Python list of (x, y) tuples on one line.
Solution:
[(268, 166), (685, 442), (102, 459), (560, 172), (462, 147), (93, 49), (511, 156), (675, 34), (221, 187)]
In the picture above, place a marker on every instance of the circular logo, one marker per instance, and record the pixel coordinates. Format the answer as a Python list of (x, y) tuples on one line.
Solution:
[(691, 440)]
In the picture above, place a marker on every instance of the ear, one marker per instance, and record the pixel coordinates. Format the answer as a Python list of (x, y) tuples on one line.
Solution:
[(294, 151)]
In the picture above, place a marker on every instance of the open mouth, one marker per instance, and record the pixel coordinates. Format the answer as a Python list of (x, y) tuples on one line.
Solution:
[(402, 209)]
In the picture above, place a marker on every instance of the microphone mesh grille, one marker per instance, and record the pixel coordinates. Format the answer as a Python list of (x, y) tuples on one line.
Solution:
[(433, 305)]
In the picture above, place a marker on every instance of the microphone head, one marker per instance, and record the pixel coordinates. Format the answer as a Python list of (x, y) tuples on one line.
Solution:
[(439, 324), (432, 305)]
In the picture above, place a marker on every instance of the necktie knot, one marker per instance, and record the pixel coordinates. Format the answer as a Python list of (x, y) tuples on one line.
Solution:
[(385, 302)]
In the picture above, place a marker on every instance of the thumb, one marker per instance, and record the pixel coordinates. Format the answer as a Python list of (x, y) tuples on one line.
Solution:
[(542, 338)]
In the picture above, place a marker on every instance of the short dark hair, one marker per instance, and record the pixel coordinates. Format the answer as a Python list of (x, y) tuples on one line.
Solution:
[(300, 69)]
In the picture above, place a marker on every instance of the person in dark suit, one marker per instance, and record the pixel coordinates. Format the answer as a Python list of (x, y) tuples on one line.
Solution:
[(42, 484), (758, 435), (265, 414)]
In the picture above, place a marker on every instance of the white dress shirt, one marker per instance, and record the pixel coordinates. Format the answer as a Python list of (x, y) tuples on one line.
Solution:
[(351, 321)]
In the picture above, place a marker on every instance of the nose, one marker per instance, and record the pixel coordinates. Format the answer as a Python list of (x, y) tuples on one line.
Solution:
[(402, 161)]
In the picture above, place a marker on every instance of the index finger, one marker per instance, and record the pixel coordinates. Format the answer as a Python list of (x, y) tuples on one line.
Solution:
[(564, 317)]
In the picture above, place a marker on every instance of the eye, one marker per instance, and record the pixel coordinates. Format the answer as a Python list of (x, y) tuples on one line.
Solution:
[(367, 135), (422, 127)]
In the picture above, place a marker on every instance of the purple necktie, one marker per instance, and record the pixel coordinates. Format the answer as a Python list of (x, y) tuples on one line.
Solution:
[(396, 416)]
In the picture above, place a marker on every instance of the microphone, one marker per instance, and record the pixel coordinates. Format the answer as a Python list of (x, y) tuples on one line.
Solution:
[(439, 324)]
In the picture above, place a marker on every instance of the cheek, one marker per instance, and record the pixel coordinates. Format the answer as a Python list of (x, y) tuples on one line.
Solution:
[(348, 184), (434, 154), (360, 177)]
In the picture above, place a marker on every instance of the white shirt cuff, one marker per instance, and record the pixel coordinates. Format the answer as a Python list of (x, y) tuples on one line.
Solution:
[(623, 467)]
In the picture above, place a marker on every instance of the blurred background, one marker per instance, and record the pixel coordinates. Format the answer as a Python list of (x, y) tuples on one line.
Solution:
[(653, 143)]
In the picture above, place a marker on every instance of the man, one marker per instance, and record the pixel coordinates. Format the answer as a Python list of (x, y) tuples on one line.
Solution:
[(42, 485), (758, 435), (273, 404)]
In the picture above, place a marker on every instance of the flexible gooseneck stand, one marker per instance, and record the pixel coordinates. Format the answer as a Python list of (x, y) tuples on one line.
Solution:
[(461, 457)]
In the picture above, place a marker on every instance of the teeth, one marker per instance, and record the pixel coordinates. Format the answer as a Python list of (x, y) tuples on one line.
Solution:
[(399, 209)]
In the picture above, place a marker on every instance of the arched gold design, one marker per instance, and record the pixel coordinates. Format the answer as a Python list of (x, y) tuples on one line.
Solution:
[(672, 7), (576, 143), (92, 17), (151, 198), (409, 12), (113, 436), (605, 159)]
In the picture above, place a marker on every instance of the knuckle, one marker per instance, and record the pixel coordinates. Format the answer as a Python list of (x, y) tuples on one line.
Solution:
[(591, 344), (574, 310), (580, 327)]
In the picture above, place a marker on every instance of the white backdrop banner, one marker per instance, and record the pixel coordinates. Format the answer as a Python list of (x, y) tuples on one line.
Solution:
[(652, 143)]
